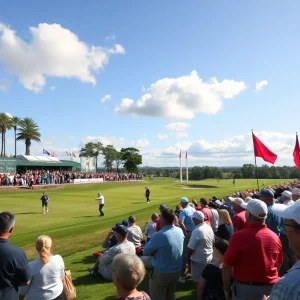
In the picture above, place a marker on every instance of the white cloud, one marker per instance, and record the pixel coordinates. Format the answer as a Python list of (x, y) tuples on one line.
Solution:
[(52, 88), (4, 85), (177, 126), (105, 140), (180, 134), (9, 115), (182, 97), (52, 51), (162, 136), (105, 98), (259, 85), (141, 143), (110, 37)]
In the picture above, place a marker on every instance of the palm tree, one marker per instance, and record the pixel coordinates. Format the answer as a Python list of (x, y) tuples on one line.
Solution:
[(5, 124), (15, 122), (28, 131)]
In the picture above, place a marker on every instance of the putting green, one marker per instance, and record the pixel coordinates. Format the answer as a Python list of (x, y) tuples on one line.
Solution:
[(77, 230)]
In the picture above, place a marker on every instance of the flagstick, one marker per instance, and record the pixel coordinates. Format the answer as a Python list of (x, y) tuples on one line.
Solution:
[(255, 163), (187, 169), (180, 168)]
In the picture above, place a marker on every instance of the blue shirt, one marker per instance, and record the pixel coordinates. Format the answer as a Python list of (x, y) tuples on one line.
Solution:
[(186, 217), (166, 246), (273, 222)]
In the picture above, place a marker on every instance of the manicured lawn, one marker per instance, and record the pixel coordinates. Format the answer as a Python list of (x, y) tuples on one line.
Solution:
[(77, 230)]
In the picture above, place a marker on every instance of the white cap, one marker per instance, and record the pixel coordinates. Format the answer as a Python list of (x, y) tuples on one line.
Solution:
[(257, 208), (247, 199), (238, 201), (218, 202), (288, 212), (231, 199), (287, 194), (296, 191), (184, 200), (198, 215)]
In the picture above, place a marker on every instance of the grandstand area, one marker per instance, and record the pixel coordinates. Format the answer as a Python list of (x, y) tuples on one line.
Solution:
[(77, 230)]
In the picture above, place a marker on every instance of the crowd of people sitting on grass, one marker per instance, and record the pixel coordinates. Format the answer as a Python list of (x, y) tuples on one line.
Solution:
[(244, 246), (43, 177)]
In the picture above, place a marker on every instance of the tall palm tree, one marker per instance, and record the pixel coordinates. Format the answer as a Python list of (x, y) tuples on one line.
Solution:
[(5, 124), (28, 131), (15, 122)]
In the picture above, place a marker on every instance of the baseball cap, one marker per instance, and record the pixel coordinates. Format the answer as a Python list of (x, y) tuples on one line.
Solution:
[(287, 194), (230, 199), (184, 200), (121, 229), (288, 212), (198, 215), (218, 202), (266, 193), (296, 191), (238, 201), (257, 208), (125, 223), (162, 206), (117, 224), (131, 219)]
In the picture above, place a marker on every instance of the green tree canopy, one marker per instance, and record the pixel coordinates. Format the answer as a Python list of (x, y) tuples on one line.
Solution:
[(91, 150), (131, 159)]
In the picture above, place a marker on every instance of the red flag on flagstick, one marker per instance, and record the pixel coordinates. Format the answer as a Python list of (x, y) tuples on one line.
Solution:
[(180, 154), (186, 155), (296, 153), (261, 150), (73, 154)]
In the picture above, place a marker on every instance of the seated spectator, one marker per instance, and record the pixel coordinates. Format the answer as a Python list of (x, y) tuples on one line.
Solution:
[(135, 234), (47, 273), (225, 230), (103, 265), (110, 239), (210, 285), (129, 272), (151, 227), (161, 208)]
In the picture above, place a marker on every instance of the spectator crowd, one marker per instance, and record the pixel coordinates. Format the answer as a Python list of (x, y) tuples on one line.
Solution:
[(244, 246), (42, 177)]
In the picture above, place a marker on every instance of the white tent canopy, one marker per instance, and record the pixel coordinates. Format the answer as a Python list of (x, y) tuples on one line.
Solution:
[(38, 158)]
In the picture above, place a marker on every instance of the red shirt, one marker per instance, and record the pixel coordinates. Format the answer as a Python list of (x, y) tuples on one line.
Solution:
[(239, 221), (207, 214), (254, 253), (158, 225)]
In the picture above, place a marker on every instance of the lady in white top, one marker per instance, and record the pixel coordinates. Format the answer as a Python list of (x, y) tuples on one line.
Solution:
[(151, 227), (47, 274)]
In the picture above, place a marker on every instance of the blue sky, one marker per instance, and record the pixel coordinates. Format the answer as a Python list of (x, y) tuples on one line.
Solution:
[(159, 45)]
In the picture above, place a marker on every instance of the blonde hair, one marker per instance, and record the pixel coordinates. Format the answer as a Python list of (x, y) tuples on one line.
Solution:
[(154, 217), (224, 217), (43, 246), (129, 270)]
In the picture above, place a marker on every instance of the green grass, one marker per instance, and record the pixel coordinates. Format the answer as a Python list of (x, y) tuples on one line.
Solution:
[(77, 231)]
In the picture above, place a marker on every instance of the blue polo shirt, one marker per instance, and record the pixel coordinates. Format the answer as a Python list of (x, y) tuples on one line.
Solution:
[(166, 246), (186, 217), (273, 222), (14, 270)]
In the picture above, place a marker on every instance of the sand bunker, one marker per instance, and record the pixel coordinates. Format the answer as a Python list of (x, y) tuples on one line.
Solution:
[(196, 187)]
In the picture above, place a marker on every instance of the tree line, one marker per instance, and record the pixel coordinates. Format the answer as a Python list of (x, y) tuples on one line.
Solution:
[(128, 158), (25, 130)]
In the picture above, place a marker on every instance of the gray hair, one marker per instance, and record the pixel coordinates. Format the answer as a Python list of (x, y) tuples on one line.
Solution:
[(7, 221), (129, 270)]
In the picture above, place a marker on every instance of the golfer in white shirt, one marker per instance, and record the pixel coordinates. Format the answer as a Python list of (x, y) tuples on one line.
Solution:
[(100, 198)]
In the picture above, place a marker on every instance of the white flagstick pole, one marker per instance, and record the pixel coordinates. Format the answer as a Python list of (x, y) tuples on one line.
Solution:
[(187, 168), (180, 168)]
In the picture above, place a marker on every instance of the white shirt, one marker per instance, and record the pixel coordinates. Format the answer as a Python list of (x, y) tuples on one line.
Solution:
[(46, 280), (214, 219), (288, 202), (135, 235), (101, 199), (201, 241), (150, 229)]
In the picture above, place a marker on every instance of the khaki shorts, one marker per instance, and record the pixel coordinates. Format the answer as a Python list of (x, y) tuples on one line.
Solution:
[(197, 270)]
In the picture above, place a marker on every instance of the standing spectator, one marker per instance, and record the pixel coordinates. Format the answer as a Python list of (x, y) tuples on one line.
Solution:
[(151, 227), (47, 274), (288, 287), (253, 258), (205, 210), (200, 247), (228, 205), (45, 200), (187, 225), (214, 216), (166, 246), (147, 195), (100, 199), (273, 222), (295, 194), (225, 230), (14, 269), (211, 285), (178, 210), (239, 220), (103, 265), (286, 198), (129, 272), (161, 207), (135, 234)]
